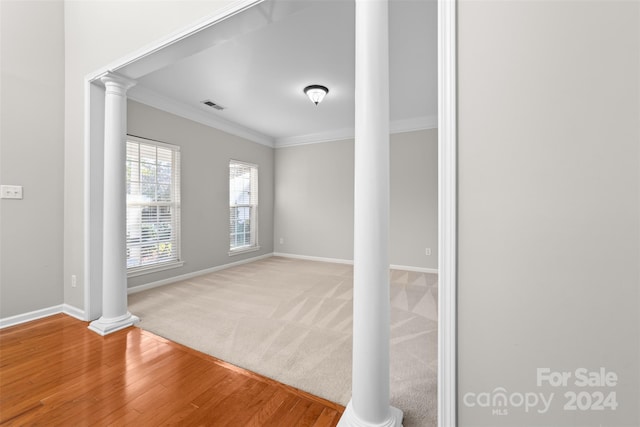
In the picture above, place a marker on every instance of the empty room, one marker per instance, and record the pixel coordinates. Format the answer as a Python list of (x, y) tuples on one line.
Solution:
[(314, 212), (241, 217), (267, 177)]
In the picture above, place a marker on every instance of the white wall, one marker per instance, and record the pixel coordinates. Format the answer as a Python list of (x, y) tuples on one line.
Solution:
[(314, 199), (31, 154), (549, 215), (97, 33), (204, 156)]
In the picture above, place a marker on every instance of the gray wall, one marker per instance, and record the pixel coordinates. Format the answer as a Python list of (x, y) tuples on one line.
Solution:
[(31, 154), (205, 154), (414, 199), (314, 199), (549, 216)]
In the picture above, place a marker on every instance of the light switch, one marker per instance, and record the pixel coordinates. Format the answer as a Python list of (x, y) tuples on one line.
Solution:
[(11, 191)]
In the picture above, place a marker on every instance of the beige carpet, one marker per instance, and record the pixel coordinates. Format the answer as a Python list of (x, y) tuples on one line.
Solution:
[(291, 320)]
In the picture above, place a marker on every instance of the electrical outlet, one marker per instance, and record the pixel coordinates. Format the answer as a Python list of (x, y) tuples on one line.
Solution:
[(11, 191), (73, 281), (427, 251)]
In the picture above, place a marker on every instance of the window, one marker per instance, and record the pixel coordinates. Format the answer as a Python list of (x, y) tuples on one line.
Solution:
[(243, 207), (153, 206)]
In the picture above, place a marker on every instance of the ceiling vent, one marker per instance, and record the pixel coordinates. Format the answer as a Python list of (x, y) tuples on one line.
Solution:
[(213, 104)]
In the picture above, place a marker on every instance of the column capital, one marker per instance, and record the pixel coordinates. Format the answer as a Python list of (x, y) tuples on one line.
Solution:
[(117, 84)]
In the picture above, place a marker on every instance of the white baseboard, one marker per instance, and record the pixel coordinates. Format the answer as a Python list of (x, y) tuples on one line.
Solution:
[(186, 276), (416, 269), (32, 315), (43, 312), (314, 258), (74, 312), (350, 262)]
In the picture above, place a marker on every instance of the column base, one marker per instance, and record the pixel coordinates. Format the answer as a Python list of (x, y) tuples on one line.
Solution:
[(104, 326), (350, 419)]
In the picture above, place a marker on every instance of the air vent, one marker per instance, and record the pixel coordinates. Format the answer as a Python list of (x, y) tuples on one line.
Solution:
[(213, 104)]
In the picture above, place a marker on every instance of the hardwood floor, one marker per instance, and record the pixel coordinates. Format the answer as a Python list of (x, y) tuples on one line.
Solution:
[(55, 371)]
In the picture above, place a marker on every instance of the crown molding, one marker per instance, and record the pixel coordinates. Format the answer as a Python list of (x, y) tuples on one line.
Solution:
[(396, 126), (413, 124), (161, 102), (315, 138)]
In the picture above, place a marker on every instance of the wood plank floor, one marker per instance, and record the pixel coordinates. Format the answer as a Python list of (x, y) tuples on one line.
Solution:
[(54, 371)]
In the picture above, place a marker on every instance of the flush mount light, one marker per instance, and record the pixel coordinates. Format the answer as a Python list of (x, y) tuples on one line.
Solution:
[(316, 93)]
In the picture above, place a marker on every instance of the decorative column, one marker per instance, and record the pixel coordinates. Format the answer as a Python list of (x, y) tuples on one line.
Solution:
[(115, 314), (369, 405)]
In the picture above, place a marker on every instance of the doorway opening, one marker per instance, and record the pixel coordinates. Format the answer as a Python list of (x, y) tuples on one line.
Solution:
[(256, 14)]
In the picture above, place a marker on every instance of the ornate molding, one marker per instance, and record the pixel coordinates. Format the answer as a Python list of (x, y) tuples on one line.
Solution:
[(116, 84)]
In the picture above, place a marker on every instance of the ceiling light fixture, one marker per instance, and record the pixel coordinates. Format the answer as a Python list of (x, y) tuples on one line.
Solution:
[(316, 93)]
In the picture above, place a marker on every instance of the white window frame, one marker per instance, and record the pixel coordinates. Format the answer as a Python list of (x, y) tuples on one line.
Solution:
[(253, 205), (175, 209)]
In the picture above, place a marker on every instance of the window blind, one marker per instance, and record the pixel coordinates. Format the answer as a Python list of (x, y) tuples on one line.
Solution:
[(243, 205), (153, 204)]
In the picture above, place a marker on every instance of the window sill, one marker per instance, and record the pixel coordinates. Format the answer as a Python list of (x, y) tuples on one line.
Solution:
[(240, 251), (139, 271)]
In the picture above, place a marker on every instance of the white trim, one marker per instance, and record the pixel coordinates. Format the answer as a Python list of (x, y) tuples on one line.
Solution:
[(315, 138), (414, 124), (243, 250), (153, 268), (350, 419), (350, 262), (153, 99), (28, 317), (398, 126), (86, 258), (72, 311), (314, 258), (86, 199), (224, 12), (243, 163), (447, 213), (140, 288), (19, 319), (416, 269), (105, 326), (149, 141)]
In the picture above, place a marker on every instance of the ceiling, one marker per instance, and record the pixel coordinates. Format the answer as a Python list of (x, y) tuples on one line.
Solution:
[(257, 72)]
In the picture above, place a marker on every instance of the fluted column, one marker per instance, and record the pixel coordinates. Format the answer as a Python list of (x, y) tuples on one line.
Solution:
[(115, 314), (369, 405)]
